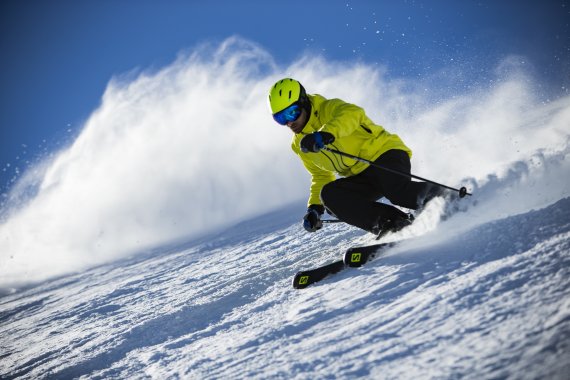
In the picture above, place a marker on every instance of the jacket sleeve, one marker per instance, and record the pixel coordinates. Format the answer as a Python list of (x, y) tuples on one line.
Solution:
[(319, 178), (342, 118)]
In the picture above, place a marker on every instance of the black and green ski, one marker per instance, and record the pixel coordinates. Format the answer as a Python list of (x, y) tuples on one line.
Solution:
[(353, 257)]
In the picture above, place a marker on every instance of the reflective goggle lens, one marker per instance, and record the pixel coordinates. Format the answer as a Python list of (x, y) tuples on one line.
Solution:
[(289, 114)]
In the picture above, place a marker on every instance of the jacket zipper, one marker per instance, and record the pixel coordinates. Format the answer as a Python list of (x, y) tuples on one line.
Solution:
[(366, 129)]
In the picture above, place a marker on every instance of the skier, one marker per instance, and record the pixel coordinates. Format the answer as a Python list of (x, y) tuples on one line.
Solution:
[(318, 123)]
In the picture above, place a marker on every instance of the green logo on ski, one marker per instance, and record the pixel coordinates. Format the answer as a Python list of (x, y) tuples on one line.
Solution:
[(355, 257), (303, 280)]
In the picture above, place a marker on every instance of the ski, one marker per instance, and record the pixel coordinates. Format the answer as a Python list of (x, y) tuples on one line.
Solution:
[(353, 257), (307, 277), (358, 256)]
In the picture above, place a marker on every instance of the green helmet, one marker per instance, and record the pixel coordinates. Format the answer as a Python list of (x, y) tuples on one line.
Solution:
[(284, 93)]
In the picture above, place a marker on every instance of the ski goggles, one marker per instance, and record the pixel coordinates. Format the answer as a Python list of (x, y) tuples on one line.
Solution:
[(287, 115)]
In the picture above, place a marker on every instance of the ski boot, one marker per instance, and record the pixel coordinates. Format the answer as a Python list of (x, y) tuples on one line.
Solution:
[(393, 224)]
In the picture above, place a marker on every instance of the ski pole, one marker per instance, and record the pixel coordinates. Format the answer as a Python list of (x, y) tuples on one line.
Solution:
[(462, 191)]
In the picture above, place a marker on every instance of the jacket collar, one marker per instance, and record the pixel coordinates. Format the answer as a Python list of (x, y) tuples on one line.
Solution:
[(313, 124)]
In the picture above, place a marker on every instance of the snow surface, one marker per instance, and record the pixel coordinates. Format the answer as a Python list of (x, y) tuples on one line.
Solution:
[(479, 299)]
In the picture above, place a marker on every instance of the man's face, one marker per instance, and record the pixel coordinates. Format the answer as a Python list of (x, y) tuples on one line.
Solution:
[(298, 125)]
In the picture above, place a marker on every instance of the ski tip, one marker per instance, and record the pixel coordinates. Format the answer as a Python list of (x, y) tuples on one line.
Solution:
[(301, 280), (358, 256), (354, 258)]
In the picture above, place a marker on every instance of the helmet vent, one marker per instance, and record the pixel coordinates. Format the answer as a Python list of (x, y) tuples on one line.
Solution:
[(289, 94)]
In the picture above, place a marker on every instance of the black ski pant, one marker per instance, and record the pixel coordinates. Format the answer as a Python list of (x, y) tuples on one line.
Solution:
[(353, 199)]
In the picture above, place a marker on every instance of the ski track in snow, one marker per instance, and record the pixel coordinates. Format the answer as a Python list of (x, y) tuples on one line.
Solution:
[(491, 302)]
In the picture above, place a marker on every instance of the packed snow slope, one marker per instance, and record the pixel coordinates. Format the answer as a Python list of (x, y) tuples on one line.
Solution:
[(477, 295)]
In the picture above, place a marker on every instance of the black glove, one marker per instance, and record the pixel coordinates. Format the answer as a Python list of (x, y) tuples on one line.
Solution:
[(314, 142), (312, 219)]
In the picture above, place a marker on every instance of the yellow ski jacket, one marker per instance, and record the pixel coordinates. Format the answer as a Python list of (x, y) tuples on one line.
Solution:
[(354, 133)]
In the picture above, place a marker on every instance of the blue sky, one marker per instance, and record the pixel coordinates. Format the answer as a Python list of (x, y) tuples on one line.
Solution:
[(58, 56)]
